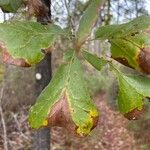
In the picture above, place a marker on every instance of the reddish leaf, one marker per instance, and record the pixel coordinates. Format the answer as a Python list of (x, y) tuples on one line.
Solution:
[(8, 59)]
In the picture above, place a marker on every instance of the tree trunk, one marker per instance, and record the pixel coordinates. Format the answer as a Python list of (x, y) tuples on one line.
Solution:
[(43, 77)]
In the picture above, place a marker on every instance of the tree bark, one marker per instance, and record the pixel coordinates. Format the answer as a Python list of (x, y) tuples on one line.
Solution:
[(41, 137)]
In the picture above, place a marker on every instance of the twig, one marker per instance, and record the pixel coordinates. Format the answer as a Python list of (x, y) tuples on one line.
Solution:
[(67, 7), (91, 40), (69, 15), (3, 121), (19, 127)]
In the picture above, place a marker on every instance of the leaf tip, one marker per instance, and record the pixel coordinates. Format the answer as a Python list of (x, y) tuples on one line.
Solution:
[(94, 113), (45, 123), (135, 114), (89, 125)]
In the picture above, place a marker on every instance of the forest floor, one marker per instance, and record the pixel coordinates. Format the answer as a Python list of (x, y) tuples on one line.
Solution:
[(110, 134)]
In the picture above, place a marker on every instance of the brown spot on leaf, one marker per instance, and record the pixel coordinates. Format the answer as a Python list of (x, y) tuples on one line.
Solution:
[(95, 122), (123, 61), (61, 116), (8, 59), (135, 114), (144, 60)]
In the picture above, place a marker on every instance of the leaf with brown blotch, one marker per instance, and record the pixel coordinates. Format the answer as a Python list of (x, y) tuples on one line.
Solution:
[(60, 115), (8, 59), (130, 43), (144, 60), (24, 40), (129, 99), (132, 91), (135, 114), (65, 101)]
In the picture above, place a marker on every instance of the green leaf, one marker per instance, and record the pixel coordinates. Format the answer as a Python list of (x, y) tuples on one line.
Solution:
[(129, 98), (10, 5), (66, 101), (132, 90), (88, 20), (94, 60), (139, 83), (24, 40), (130, 42)]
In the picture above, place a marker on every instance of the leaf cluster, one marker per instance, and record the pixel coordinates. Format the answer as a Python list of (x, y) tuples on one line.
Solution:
[(66, 101)]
